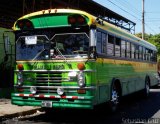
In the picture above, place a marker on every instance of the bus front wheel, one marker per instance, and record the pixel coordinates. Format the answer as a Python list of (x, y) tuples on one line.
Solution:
[(115, 97)]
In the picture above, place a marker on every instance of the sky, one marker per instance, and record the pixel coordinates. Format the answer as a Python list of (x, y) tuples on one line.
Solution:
[(132, 10)]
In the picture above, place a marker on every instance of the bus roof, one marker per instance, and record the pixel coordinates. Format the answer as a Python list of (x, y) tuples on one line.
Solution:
[(92, 19)]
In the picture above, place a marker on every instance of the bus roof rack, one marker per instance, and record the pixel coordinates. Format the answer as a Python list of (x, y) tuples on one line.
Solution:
[(110, 16)]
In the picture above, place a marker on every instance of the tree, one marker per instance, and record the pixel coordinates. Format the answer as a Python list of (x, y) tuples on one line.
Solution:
[(146, 36), (155, 39)]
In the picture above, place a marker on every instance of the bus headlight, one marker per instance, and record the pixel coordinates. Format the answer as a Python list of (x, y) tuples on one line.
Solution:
[(20, 79), (81, 79), (60, 91), (33, 90)]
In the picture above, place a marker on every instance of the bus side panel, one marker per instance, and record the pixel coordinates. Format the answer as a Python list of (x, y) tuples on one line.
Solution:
[(130, 73), (103, 81)]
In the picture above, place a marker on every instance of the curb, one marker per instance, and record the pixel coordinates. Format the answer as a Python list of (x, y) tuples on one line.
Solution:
[(13, 115)]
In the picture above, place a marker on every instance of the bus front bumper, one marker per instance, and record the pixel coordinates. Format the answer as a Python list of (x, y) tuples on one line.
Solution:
[(53, 101)]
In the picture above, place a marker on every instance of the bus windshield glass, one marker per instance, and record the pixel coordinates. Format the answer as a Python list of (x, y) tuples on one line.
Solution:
[(60, 46)]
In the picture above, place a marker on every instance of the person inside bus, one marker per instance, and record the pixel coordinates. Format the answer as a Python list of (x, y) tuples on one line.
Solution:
[(70, 44)]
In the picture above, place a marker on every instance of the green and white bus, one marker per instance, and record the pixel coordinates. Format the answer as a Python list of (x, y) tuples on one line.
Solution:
[(69, 58)]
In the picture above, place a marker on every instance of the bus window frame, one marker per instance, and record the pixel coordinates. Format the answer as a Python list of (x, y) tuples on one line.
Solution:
[(134, 55)]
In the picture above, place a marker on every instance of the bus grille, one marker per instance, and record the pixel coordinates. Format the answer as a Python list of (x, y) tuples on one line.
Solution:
[(48, 78)]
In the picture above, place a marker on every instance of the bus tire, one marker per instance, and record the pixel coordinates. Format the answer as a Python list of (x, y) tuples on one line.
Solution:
[(115, 96), (146, 90)]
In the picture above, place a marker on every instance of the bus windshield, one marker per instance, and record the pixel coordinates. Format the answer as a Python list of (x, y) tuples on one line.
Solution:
[(60, 46)]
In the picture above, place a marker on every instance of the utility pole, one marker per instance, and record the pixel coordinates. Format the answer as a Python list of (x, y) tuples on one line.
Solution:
[(143, 23)]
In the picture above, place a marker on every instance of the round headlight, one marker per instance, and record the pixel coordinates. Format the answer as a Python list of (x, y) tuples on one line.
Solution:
[(81, 83), (19, 83), (60, 91), (81, 79), (19, 79), (33, 90), (19, 76)]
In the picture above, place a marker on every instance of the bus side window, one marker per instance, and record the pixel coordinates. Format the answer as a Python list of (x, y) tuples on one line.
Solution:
[(136, 52), (132, 51), (155, 56), (128, 50), (152, 57), (104, 43), (117, 47), (140, 53), (144, 53), (123, 48), (110, 45), (147, 54), (99, 42)]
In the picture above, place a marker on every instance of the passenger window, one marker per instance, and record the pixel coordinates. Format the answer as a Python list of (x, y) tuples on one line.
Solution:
[(136, 52), (110, 45), (99, 42), (140, 53), (128, 50), (152, 57), (144, 53), (155, 56), (104, 43), (147, 54), (123, 48), (132, 51), (117, 47)]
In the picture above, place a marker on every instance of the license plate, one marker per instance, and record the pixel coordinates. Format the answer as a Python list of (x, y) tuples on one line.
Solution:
[(47, 104)]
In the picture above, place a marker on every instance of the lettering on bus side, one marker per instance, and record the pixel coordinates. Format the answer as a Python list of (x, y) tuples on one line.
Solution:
[(49, 67), (58, 67)]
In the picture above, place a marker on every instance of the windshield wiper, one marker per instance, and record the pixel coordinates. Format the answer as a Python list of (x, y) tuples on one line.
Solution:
[(65, 60), (38, 54)]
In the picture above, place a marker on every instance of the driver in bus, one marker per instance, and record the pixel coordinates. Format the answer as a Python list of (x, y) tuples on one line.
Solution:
[(70, 44)]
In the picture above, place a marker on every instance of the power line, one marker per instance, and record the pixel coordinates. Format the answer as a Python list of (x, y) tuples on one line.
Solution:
[(156, 12), (131, 15), (129, 7), (138, 19), (124, 10), (150, 28)]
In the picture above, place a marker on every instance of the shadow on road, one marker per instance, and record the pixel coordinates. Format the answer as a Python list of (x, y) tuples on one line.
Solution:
[(131, 107)]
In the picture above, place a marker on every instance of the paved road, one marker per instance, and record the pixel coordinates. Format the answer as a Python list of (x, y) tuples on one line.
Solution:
[(133, 108)]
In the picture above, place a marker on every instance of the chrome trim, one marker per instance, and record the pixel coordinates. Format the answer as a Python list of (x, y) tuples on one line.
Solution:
[(55, 87), (54, 70), (68, 60), (58, 78), (53, 81), (55, 91)]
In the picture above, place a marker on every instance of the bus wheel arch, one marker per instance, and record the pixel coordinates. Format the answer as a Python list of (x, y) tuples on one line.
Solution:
[(146, 90), (115, 94)]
